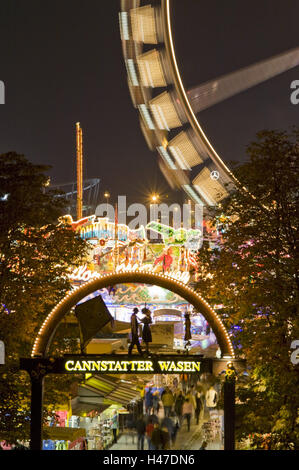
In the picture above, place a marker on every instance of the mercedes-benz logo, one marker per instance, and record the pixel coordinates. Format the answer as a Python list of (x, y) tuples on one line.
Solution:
[(214, 175)]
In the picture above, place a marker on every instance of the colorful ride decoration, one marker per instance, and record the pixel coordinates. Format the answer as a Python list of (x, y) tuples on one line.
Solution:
[(116, 247), (153, 249)]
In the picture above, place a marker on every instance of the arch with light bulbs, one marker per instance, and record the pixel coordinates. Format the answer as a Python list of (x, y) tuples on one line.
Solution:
[(40, 364), (47, 331)]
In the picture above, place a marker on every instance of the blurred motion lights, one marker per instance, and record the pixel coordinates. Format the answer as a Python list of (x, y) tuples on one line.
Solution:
[(143, 25)]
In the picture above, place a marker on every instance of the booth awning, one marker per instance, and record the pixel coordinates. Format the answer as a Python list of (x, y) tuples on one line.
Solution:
[(100, 391), (57, 433)]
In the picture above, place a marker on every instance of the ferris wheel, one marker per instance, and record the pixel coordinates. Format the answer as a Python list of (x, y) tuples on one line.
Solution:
[(168, 113)]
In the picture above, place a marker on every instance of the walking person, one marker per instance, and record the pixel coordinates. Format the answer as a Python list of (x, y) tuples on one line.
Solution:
[(178, 406), (114, 426), (169, 423), (198, 406), (146, 331), (165, 437), (140, 428), (211, 398), (168, 401), (184, 381), (134, 333), (156, 402), (187, 412), (156, 439), (188, 335), (191, 396), (148, 401), (149, 431)]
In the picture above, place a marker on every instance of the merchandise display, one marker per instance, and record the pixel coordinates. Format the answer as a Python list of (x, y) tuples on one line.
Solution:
[(213, 429), (49, 445), (78, 444)]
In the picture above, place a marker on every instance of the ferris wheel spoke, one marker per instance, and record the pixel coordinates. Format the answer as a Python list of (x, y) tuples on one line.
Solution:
[(210, 93)]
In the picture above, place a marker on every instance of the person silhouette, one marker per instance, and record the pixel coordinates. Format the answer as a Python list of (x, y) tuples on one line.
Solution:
[(146, 331), (134, 333), (188, 335)]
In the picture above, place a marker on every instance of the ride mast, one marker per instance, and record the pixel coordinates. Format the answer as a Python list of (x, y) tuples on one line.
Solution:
[(79, 170)]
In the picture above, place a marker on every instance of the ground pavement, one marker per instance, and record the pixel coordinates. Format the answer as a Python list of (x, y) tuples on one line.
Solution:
[(185, 440)]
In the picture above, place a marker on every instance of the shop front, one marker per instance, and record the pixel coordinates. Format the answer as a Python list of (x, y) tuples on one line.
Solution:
[(110, 393), (88, 422)]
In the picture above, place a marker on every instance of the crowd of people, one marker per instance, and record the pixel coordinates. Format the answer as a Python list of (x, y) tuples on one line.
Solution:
[(178, 408)]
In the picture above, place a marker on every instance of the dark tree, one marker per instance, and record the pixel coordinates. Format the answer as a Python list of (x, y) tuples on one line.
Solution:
[(254, 274), (36, 255)]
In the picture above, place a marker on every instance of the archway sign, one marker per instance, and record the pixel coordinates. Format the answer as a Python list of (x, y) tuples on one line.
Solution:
[(41, 364), (47, 331)]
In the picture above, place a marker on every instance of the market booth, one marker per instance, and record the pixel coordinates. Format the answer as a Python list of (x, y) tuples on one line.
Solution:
[(87, 422)]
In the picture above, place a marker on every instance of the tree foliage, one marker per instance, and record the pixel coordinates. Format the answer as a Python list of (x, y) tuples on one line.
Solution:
[(253, 274), (36, 255)]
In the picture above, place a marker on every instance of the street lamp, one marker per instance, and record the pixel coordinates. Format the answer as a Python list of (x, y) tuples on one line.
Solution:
[(107, 195), (155, 198)]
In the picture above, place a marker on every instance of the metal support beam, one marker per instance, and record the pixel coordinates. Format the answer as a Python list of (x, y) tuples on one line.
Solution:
[(229, 414), (79, 171), (36, 423)]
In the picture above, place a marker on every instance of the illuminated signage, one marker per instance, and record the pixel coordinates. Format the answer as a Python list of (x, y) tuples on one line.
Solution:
[(84, 274), (119, 364), (178, 275), (94, 364), (124, 366)]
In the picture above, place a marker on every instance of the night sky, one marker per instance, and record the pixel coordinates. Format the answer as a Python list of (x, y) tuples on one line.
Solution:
[(61, 62)]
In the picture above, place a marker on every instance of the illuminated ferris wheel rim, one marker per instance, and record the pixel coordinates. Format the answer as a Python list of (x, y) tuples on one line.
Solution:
[(193, 150), (194, 192), (181, 89)]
